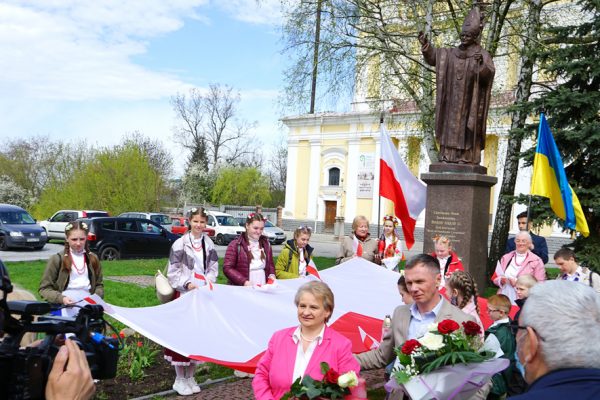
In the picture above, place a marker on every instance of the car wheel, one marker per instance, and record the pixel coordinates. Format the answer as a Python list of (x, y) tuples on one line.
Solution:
[(109, 254), (220, 240), (3, 245)]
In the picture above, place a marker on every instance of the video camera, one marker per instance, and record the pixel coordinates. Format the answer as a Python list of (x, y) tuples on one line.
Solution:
[(24, 371)]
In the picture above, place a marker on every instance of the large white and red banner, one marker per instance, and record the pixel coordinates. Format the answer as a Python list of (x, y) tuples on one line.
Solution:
[(400, 186), (231, 325)]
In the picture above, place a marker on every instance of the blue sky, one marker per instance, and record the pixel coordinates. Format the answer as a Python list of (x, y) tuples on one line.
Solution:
[(96, 70)]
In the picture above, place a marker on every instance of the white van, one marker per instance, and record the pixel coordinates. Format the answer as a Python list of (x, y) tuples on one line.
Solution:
[(225, 225)]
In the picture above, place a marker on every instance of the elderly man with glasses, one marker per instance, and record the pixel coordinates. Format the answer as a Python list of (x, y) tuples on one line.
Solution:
[(558, 342)]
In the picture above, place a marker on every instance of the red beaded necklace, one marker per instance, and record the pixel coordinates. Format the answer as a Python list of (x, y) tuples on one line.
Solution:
[(81, 270), (196, 248)]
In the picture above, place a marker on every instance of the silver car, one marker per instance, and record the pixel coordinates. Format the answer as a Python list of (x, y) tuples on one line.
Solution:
[(275, 234)]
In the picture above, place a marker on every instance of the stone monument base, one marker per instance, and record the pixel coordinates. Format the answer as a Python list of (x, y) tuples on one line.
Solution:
[(458, 207)]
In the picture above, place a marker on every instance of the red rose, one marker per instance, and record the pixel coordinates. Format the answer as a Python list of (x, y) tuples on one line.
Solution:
[(471, 328), (332, 376), (409, 346), (447, 326)]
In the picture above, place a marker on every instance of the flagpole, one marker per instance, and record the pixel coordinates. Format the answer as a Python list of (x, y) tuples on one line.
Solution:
[(379, 194)]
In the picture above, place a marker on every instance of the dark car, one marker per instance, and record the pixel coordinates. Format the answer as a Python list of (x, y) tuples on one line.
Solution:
[(113, 238), (19, 229)]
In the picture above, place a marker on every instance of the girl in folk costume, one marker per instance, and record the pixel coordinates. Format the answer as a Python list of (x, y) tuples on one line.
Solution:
[(462, 291), (295, 255), (249, 259), (449, 261), (390, 250), (193, 262), (359, 243), (75, 273)]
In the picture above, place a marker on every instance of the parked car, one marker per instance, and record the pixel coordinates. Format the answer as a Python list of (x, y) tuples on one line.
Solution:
[(275, 234), (225, 225), (161, 219), (19, 229), (113, 238), (179, 227), (55, 225)]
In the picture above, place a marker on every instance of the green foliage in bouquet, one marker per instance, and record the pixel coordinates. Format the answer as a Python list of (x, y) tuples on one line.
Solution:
[(446, 343), (332, 386)]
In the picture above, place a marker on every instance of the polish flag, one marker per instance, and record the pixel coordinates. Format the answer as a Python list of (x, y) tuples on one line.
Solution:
[(400, 186), (202, 277), (368, 341), (311, 270)]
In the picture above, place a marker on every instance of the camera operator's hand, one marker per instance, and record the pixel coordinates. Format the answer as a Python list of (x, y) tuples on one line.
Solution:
[(73, 381)]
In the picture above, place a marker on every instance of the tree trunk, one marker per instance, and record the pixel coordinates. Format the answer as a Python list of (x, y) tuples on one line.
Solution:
[(515, 137)]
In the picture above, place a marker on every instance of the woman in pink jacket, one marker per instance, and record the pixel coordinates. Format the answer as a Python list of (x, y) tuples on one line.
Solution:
[(299, 351), (516, 263)]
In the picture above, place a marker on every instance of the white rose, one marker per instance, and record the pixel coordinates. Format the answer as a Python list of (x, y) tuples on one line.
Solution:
[(349, 379), (432, 341), (433, 327)]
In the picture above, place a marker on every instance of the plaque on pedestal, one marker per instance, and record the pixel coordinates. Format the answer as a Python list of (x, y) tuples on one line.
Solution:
[(458, 207)]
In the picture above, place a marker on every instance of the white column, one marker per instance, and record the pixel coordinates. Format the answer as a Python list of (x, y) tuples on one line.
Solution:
[(314, 177), (291, 189), (375, 205), (351, 179)]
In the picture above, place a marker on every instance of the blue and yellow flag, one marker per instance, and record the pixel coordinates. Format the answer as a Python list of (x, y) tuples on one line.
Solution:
[(550, 180)]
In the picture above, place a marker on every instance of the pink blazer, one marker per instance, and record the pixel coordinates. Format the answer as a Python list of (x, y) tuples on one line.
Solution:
[(275, 369), (532, 265)]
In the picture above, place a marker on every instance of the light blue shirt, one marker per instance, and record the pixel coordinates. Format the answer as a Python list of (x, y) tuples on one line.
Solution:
[(419, 323)]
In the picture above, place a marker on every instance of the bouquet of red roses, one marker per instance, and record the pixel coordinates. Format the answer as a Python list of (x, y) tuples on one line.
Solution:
[(332, 386), (446, 343)]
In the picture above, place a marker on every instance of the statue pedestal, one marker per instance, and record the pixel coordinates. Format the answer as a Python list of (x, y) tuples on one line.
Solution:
[(458, 207)]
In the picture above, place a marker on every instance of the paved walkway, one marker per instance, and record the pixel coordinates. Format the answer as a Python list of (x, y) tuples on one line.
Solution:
[(241, 389)]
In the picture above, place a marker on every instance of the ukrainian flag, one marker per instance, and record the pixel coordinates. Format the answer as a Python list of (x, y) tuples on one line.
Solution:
[(549, 180)]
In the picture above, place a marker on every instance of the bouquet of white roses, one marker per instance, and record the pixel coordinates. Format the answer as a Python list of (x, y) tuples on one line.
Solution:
[(446, 343)]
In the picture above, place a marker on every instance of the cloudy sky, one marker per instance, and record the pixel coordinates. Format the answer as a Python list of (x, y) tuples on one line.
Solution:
[(96, 70)]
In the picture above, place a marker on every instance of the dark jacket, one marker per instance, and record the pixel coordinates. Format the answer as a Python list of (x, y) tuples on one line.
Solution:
[(540, 248), (508, 345), (236, 264), (572, 383), (56, 279)]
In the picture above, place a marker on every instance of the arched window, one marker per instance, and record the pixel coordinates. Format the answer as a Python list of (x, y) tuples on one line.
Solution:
[(334, 177)]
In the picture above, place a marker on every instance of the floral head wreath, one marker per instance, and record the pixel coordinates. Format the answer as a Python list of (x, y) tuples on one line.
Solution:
[(441, 239), (391, 218), (253, 215), (70, 226)]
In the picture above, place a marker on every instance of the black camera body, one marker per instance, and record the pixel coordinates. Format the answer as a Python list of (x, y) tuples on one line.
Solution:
[(24, 371)]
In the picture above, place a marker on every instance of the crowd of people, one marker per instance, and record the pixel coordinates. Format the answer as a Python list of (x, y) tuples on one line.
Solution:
[(432, 287)]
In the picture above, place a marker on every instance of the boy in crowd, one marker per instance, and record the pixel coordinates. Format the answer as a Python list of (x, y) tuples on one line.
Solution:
[(498, 309)]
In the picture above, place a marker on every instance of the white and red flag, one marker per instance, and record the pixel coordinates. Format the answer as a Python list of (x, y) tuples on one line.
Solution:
[(357, 247), (311, 270), (400, 186), (368, 341), (231, 325)]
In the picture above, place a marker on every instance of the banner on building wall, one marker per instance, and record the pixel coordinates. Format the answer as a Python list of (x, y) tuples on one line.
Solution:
[(366, 176)]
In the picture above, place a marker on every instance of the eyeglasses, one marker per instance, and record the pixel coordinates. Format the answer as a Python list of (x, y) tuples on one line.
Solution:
[(515, 328)]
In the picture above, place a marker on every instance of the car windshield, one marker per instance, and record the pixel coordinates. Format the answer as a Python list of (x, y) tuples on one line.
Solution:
[(95, 214), (161, 219), (16, 218), (226, 220), (268, 224)]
